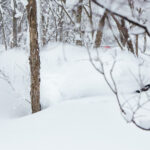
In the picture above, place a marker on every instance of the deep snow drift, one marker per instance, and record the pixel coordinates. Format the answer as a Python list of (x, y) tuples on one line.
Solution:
[(81, 112)]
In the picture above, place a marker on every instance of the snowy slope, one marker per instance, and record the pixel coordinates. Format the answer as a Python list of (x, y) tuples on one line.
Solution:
[(87, 124), (81, 111)]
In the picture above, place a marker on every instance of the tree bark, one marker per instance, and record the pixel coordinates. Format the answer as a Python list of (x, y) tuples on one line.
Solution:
[(61, 22), (14, 42), (99, 34), (137, 44), (78, 21), (145, 43), (124, 36), (3, 30), (91, 17), (34, 56)]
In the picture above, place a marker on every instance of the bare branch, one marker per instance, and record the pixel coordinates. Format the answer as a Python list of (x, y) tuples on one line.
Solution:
[(124, 17)]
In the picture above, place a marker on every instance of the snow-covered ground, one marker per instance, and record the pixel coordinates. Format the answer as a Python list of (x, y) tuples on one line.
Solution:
[(80, 112)]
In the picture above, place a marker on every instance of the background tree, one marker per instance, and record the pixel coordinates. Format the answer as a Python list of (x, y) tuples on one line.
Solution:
[(3, 28), (15, 25)]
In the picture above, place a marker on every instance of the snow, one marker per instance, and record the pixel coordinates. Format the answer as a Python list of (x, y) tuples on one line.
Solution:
[(80, 112), (24, 2), (136, 31), (12, 4), (83, 124), (71, 3)]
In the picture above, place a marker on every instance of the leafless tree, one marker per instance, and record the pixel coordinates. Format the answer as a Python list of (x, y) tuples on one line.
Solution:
[(126, 104), (34, 56), (3, 29), (14, 40), (99, 34)]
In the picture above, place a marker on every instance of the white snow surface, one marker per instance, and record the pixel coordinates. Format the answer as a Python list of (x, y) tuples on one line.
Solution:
[(79, 110)]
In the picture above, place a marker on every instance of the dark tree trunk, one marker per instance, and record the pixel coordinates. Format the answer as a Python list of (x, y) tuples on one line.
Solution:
[(14, 42), (34, 56), (124, 35), (99, 34), (61, 23), (91, 17), (137, 44), (78, 21), (3, 30)]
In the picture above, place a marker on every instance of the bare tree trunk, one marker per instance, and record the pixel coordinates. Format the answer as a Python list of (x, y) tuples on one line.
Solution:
[(145, 43), (61, 21), (78, 21), (14, 41), (115, 37), (137, 44), (91, 17), (34, 56), (124, 36), (99, 34), (44, 31), (3, 30)]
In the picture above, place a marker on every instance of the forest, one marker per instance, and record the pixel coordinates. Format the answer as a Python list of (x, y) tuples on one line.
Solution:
[(74, 74)]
